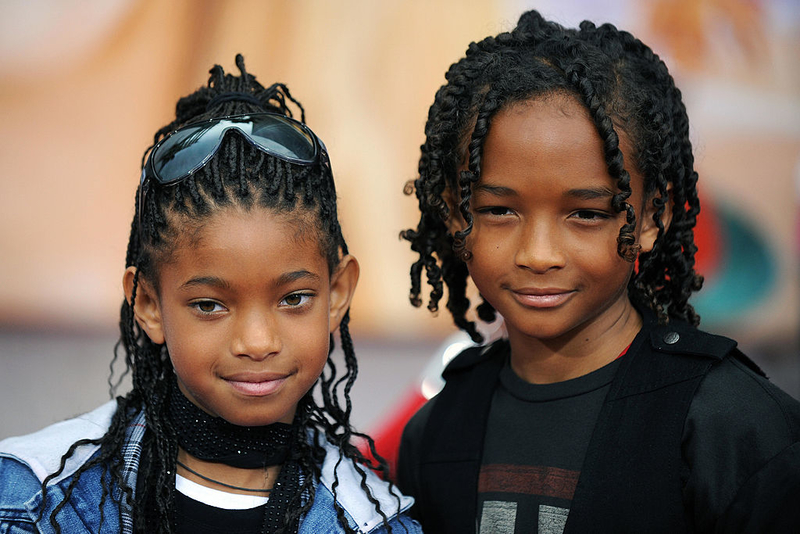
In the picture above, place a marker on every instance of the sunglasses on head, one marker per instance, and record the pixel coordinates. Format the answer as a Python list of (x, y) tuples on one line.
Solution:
[(188, 149)]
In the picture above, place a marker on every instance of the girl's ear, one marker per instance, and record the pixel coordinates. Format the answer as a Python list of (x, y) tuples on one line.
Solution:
[(146, 309), (649, 233), (343, 286)]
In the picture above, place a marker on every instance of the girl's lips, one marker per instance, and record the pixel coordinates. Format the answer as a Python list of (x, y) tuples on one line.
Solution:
[(541, 299), (257, 389)]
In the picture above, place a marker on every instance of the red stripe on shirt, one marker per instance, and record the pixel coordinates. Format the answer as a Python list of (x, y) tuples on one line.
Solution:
[(528, 480)]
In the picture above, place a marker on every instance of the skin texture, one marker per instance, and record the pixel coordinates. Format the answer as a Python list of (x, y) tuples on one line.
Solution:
[(544, 242), (246, 309)]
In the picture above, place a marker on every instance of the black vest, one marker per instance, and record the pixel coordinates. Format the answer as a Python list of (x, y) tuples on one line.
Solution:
[(631, 476)]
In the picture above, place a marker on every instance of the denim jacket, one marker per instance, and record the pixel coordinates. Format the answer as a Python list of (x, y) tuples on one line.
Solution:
[(25, 462)]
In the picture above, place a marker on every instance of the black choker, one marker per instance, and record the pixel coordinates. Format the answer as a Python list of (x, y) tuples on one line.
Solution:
[(214, 439)]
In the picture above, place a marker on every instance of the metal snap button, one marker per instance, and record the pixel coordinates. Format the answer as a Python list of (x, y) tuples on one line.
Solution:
[(670, 338)]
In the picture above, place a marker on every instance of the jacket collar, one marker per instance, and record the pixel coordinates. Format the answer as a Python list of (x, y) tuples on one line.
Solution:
[(342, 473), (42, 452)]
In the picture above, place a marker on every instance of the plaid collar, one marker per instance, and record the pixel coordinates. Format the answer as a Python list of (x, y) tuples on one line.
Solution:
[(131, 454)]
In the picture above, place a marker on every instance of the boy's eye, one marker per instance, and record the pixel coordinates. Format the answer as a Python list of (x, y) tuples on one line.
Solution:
[(497, 211), (207, 306), (588, 215), (296, 299)]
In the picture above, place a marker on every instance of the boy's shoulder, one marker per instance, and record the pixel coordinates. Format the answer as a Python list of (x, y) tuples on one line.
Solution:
[(41, 451), (736, 397), (470, 357), (679, 337), (674, 337)]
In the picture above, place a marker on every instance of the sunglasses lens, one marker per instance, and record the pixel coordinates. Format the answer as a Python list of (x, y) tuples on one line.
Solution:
[(188, 149), (185, 151), (284, 139)]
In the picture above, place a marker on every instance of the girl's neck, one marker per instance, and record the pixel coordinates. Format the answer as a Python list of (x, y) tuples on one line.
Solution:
[(251, 479), (546, 361)]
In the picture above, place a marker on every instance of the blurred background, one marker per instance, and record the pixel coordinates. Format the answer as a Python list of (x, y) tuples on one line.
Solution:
[(84, 84)]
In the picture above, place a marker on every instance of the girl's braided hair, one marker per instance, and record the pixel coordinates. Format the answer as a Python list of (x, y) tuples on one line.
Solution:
[(238, 175), (624, 85)]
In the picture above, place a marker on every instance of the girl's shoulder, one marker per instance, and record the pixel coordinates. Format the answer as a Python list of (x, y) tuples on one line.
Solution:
[(341, 479), (41, 451)]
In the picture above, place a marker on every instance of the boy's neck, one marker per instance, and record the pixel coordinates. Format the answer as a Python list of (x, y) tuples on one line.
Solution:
[(548, 361)]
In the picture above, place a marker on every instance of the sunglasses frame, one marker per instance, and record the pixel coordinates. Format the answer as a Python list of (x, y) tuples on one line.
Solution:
[(149, 173)]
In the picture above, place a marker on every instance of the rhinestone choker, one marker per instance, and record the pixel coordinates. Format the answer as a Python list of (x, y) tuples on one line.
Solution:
[(214, 439)]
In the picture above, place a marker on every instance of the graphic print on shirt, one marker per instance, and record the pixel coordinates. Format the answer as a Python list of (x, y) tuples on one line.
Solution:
[(529, 486), (536, 439)]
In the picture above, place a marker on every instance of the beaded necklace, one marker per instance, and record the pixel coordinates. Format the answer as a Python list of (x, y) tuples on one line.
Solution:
[(214, 439)]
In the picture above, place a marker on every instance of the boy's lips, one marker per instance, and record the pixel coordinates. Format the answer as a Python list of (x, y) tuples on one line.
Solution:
[(257, 385), (541, 297)]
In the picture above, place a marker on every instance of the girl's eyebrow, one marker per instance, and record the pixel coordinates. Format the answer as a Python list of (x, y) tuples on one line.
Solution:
[(591, 193), (214, 281)]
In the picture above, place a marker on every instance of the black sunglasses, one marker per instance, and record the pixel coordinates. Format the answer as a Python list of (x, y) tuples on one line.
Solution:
[(189, 148)]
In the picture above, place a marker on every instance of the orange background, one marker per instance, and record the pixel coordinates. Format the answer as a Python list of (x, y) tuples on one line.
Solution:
[(83, 86)]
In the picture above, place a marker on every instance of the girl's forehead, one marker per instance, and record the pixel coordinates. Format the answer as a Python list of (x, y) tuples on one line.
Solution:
[(226, 223), (249, 251), (234, 227)]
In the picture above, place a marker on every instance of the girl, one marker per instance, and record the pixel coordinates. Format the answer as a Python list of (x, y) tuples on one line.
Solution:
[(237, 276), (558, 175)]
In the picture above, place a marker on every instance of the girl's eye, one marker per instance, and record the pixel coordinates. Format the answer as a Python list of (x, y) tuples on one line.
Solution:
[(296, 300), (207, 307)]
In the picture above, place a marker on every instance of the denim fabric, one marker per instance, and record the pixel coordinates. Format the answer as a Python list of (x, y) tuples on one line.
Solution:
[(25, 461), (321, 519)]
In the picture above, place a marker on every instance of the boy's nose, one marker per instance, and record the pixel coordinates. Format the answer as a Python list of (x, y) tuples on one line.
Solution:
[(539, 249), (256, 337)]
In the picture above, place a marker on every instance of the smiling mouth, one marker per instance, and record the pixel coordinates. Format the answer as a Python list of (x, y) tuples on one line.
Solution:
[(542, 298), (257, 388)]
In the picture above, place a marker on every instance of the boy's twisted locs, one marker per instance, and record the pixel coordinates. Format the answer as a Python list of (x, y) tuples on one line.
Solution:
[(626, 88)]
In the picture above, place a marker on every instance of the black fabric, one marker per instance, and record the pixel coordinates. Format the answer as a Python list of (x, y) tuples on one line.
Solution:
[(536, 440), (739, 454), (194, 517), (285, 488), (649, 466), (443, 474), (214, 439), (263, 519)]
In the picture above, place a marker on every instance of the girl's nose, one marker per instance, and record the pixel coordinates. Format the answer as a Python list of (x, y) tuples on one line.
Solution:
[(256, 337), (539, 248)]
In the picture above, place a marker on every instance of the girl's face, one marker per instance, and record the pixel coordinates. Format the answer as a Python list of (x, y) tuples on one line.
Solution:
[(246, 307), (544, 241)]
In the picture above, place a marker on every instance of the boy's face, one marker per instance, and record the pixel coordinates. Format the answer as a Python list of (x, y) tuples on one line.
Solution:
[(544, 241), (246, 307)]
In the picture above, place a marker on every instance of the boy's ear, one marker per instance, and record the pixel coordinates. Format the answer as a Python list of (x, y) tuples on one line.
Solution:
[(455, 222), (146, 309), (343, 286), (649, 233)]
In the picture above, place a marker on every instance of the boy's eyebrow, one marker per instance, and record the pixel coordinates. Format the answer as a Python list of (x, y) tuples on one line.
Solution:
[(496, 190), (590, 193)]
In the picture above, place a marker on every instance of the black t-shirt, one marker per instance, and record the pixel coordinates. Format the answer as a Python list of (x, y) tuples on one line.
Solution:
[(195, 517), (536, 440)]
